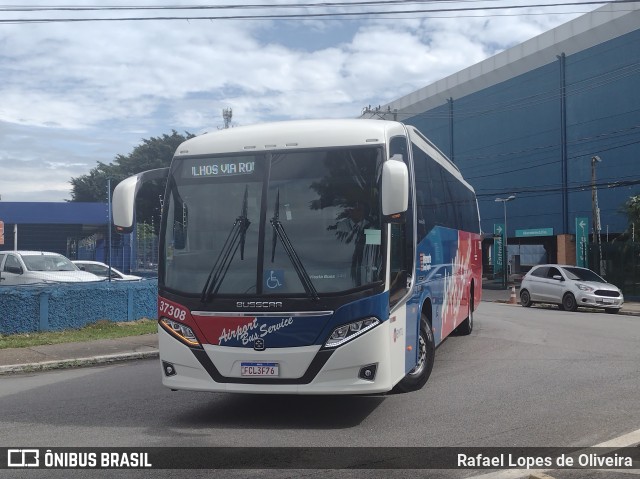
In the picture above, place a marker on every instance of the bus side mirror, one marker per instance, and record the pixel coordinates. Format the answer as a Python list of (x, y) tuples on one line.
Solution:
[(395, 190), (124, 198)]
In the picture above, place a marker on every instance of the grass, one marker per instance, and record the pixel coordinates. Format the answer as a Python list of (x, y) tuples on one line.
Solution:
[(103, 329)]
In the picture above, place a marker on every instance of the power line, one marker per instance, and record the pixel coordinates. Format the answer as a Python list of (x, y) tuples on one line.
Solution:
[(66, 8), (532, 100), (538, 165), (614, 135), (279, 16), (558, 189)]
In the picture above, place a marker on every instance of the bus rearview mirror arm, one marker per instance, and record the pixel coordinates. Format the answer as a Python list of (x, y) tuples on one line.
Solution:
[(124, 197)]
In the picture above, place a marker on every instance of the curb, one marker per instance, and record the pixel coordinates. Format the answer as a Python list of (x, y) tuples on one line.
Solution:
[(543, 306), (76, 362)]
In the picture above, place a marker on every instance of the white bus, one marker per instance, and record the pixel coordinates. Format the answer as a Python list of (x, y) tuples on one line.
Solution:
[(310, 257)]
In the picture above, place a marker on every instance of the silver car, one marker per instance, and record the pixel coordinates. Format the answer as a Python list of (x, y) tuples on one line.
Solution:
[(569, 287), (33, 267), (102, 270)]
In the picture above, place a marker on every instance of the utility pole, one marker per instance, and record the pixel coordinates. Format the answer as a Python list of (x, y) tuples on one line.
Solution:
[(505, 255), (563, 141), (595, 213), (109, 223), (450, 102)]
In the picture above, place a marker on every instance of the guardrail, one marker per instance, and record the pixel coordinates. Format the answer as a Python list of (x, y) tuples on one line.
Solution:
[(30, 308)]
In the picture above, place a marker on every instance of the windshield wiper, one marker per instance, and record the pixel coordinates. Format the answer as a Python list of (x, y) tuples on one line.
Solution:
[(236, 239), (280, 233)]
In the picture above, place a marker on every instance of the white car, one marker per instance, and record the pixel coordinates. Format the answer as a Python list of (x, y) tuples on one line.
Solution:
[(32, 267), (569, 287), (102, 270)]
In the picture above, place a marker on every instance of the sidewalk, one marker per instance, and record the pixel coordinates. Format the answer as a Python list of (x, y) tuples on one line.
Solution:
[(107, 351), (69, 355), (496, 293)]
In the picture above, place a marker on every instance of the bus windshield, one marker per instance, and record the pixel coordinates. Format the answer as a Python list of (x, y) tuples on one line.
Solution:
[(282, 223)]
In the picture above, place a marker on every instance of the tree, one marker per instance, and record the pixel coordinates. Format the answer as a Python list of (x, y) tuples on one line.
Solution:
[(150, 154), (632, 210)]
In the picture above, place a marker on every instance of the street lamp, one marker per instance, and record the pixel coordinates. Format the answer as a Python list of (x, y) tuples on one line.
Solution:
[(595, 212), (505, 261)]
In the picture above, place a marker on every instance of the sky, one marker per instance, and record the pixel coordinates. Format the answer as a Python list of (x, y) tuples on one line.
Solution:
[(75, 93)]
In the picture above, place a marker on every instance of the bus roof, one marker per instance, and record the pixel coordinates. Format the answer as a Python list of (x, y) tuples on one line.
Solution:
[(297, 134)]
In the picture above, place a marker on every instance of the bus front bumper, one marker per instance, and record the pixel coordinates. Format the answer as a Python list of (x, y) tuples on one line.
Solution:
[(301, 370)]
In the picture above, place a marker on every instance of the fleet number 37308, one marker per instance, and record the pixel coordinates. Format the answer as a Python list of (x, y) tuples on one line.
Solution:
[(172, 312)]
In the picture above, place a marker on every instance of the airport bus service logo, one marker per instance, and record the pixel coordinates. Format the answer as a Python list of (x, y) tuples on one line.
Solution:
[(252, 332)]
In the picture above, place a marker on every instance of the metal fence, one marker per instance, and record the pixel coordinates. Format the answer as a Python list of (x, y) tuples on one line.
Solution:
[(135, 253), (144, 257), (619, 264)]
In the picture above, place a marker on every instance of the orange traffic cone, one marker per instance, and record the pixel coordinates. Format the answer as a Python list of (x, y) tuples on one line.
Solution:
[(513, 299)]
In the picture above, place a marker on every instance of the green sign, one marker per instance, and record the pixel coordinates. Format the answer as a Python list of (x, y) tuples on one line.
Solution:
[(582, 242), (498, 248), (534, 232)]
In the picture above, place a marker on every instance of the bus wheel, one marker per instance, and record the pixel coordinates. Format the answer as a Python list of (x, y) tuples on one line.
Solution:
[(417, 377), (466, 326)]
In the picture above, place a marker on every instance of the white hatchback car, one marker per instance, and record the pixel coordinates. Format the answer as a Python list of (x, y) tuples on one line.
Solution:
[(102, 270), (569, 287), (31, 267)]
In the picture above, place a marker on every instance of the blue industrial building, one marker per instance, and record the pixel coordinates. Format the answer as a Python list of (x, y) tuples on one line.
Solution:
[(529, 122), (73, 229)]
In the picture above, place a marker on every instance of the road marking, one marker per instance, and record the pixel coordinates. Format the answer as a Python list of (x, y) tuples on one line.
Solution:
[(622, 441), (626, 440), (510, 474)]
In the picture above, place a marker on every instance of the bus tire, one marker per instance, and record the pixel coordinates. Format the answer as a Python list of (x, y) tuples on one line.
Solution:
[(417, 377), (466, 326)]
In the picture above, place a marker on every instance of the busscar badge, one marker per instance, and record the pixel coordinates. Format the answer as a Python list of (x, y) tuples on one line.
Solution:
[(258, 344)]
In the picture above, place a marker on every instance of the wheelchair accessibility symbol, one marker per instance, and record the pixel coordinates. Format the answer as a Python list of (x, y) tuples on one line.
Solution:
[(274, 278)]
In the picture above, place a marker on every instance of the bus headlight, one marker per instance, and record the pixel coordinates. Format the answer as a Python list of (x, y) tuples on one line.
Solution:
[(180, 331), (347, 332)]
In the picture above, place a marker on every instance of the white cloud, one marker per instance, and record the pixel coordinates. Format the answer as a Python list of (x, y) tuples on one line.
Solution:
[(76, 93), (35, 180)]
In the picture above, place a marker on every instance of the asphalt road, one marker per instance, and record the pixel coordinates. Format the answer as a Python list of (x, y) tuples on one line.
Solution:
[(525, 377)]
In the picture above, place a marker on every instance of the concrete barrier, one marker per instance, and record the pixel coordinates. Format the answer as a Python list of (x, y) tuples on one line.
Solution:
[(31, 308)]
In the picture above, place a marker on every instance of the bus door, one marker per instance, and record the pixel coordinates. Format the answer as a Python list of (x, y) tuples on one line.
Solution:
[(404, 322)]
